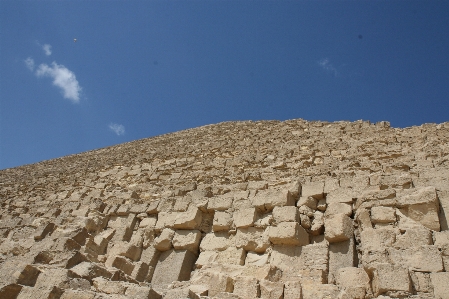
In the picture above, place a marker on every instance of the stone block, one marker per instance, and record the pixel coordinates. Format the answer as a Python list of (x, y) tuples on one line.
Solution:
[(288, 233), (141, 292), (256, 259), (338, 228), (222, 221), (42, 231), (413, 237), (313, 189), (89, 271), (338, 208), (244, 217), (109, 287), (246, 287), (355, 281), (319, 291), (231, 256), (127, 249), (165, 220), (292, 290), (441, 240), (391, 280), (271, 290), (121, 263), (216, 282), (78, 294), (148, 222), (191, 219), (341, 255), (173, 265), (164, 241), (40, 293), (378, 239), (426, 258), (285, 214), (187, 239), (10, 290), (205, 258), (197, 291), (216, 242), (252, 239), (140, 271), (266, 200), (220, 203), (421, 281), (341, 194), (383, 215), (362, 217), (440, 284), (53, 277)]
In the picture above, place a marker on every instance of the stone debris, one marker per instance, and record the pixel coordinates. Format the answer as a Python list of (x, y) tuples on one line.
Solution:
[(267, 209)]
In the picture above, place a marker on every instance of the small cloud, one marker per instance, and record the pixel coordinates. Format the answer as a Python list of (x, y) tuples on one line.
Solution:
[(117, 129), (29, 62), (47, 49), (327, 66), (62, 78)]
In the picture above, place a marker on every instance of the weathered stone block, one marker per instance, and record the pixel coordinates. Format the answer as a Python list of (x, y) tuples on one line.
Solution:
[(268, 199), (355, 281), (252, 239), (231, 256), (222, 221), (246, 287), (319, 291), (383, 215), (216, 242), (338, 228), (256, 259), (313, 189), (425, 258), (341, 255), (88, 271), (173, 265), (148, 222), (288, 233), (187, 239), (338, 208), (164, 241), (271, 290), (285, 214), (292, 290), (391, 279), (220, 203), (191, 219), (440, 284), (38, 293), (341, 194), (244, 217)]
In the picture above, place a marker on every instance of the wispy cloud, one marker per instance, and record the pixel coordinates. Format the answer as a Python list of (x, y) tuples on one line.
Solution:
[(29, 62), (62, 78), (326, 65), (117, 129), (47, 49)]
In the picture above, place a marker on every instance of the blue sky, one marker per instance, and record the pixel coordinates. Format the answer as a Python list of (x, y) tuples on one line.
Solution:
[(144, 68)]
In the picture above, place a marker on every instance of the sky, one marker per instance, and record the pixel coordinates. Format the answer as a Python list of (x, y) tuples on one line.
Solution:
[(139, 69)]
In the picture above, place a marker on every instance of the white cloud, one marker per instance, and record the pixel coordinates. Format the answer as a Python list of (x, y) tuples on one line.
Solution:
[(47, 49), (29, 62), (117, 129), (327, 66), (62, 78)]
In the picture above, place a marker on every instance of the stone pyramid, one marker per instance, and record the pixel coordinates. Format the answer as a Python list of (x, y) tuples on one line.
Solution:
[(265, 209)]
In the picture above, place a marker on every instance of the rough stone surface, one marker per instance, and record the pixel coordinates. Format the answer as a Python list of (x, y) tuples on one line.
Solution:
[(264, 209)]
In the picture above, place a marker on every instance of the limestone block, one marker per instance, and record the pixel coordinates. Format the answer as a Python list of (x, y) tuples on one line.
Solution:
[(341, 255), (362, 217), (120, 262), (150, 256), (320, 291), (216, 242), (305, 210), (266, 200), (317, 226), (77, 294), (53, 277), (244, 217), (165, 220), (141, 292), (246, 287), (10, 290), (422, 205), (197, 291), (252, 239), (109, 287), (413, 237), (373, 198), (440, 284), (391, 279), (331, 184), (421, 281), (187, 239), (152, 207), (341, 194), (231, 256), (441, 240), (271, 290), (190, 219), (314, 256), (426, 258), (22, 273), (292, 290), (338, 208), (355, 281), (216, 282), (305, 221), (42, 231), (182, 204), (285, 214), (205, 258), (222, 221), (313, 189), (264, 221), (383, 215), (309, 201), (140, 271), (44, 293), (321, 205), (88, 271), (378, 239), (164, 241), (220, 203), (338, 228), (148, 222), (256, 259), (288, 233), (173, 265)]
